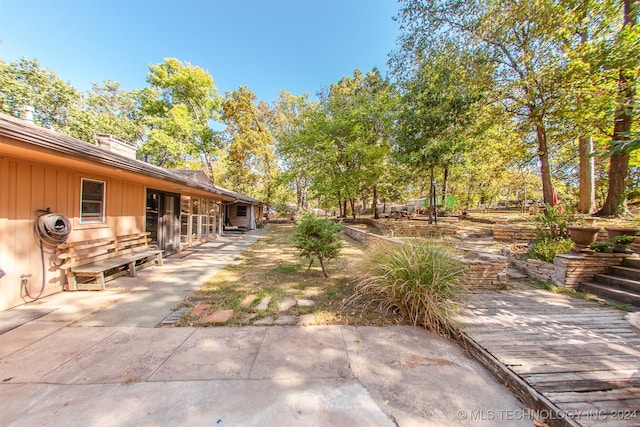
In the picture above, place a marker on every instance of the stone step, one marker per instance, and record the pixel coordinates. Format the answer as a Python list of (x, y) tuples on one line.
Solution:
[(627, 272), (608, 292), (633, 262), (617, 282)]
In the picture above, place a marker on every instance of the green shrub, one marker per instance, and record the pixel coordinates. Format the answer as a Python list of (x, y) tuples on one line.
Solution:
[(551, 224), (546, 250), (319, 238), (416, 279)]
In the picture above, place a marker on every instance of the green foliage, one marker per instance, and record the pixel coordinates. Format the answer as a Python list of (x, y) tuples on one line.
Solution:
[(319, 238), (114, 111), (25, 82), (419, 280), (339, 147), (177, 109), (546, 250), (615, 243), (551, 224), (552, 236), (251, 162), (106, 108)]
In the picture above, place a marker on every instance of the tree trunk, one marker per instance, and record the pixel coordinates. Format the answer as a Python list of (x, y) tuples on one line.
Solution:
[(352, 204), (545, 169), (616, 203), (321, 259), (300, 190), (587, 203), (374, 203), (444, 186), (468, 201), (431, 207)]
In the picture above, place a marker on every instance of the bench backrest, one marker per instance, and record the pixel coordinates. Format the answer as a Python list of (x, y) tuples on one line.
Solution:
[(87, 251), (132, 242)]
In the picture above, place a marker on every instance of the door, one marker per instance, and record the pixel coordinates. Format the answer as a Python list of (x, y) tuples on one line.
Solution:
[(171, 224), (163, 220)]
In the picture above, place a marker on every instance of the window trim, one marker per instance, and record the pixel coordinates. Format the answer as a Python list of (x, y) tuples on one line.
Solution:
[(101, 203)]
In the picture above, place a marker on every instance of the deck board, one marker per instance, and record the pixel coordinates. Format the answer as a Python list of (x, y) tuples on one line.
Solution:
[(579, 356)]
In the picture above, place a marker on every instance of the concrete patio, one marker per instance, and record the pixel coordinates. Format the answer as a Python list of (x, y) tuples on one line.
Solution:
[(96, 358)]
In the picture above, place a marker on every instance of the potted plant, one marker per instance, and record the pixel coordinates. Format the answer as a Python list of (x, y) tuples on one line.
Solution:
[(622, 231), (622, 237), (582, 236), (622, 243)]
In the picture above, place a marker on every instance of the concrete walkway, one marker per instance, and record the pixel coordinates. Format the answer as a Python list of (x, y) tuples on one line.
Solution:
[(96, 358)]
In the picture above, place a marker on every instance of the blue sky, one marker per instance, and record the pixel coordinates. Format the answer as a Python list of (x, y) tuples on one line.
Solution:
[(298, 45)]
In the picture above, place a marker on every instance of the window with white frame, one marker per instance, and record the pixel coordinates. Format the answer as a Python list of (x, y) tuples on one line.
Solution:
[(92, 201)]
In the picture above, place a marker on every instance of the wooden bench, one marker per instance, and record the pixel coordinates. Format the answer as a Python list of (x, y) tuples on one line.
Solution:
[(101, 260)]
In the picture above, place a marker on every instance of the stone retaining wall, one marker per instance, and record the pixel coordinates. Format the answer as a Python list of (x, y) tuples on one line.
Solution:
[(537, 269), (417, 229), (573, 269), (513, 233), (482, 268), (365, 237), (485, 268)]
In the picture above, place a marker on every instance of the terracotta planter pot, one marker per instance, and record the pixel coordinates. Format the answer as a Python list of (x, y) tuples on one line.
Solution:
[(622, 231), (582, 237)]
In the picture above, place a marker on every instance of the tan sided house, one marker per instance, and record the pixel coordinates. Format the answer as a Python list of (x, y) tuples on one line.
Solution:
[(63, 201)]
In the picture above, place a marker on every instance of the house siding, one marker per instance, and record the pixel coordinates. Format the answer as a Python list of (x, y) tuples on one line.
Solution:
[(26, 187), (41, 169), (239, 221)]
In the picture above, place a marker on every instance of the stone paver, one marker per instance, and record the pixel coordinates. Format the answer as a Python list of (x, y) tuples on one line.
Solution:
[(286, 320), (247, 317), (265, 321), (199, 309), (263, 304), (307, 319), (306, 303), (219, 316), (287, 303), (248, 300)]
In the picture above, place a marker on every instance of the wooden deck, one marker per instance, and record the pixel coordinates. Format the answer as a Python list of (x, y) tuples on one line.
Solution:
[(574, 362)]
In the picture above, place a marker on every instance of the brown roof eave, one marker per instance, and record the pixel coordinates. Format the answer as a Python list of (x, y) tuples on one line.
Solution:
[(63, 144), (17, 129)]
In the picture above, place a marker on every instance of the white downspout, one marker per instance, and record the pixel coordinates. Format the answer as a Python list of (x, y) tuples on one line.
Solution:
[(252, 218)]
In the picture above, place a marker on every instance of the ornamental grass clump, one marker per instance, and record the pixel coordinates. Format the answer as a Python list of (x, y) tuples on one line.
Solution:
[(417, 280)]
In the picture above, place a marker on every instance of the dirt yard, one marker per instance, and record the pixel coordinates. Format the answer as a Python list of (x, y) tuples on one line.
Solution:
[(272, 268)]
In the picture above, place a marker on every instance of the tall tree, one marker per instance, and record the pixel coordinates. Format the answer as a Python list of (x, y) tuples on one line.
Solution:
[(374, 103), (518, 37), (354, 129), (25, 82), (439, 100), (626, 109), (179, 105), (252, 162), (287, 129), (108, 108)]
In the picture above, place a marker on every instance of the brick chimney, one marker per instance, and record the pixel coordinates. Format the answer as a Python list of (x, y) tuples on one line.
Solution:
[(27, 113), (116, 145)]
